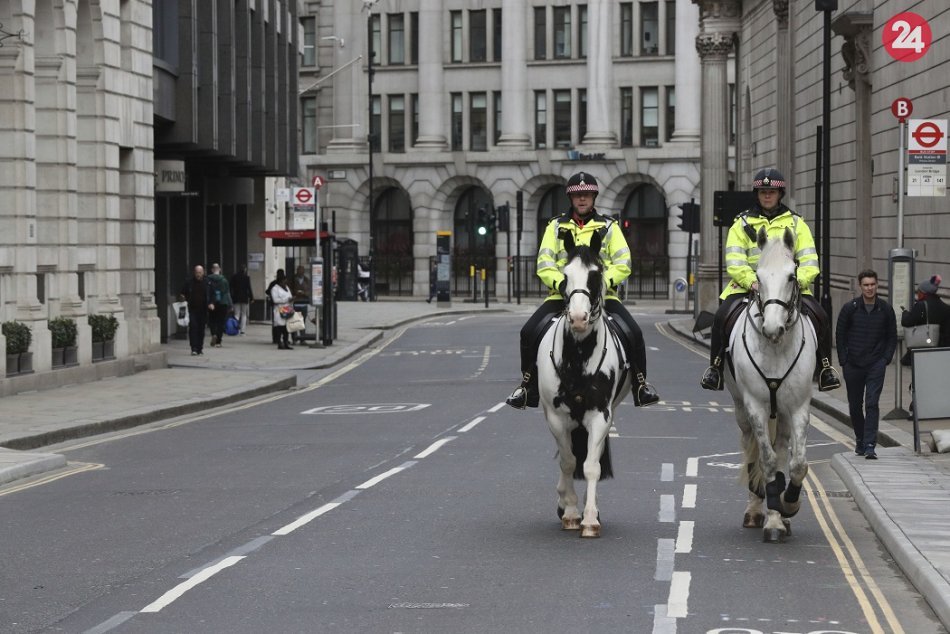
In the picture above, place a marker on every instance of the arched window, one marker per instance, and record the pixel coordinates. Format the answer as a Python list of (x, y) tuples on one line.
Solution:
[(471, 248), (392, 242), (644, 222), (554, 202)]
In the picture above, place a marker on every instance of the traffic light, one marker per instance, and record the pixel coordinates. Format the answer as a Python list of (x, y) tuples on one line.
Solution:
[(689, 219), (503, 214), (484, 222)]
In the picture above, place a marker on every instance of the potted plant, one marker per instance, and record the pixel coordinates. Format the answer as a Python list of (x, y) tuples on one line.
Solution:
[(104, 328), (19, 357), (64, 332)]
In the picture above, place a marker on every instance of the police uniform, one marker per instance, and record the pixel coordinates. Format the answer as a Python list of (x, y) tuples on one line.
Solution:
[(742, 257), (552, 258)]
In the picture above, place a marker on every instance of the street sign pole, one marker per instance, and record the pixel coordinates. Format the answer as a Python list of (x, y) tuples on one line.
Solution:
[(900, 188)]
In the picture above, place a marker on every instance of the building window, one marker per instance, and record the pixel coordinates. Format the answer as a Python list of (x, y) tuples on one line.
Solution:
[(670, 112), (732, 114), (397, 38), (671, 27), (309, 41), (164, 33), (456, 18), (308, 113), (478, 122), (496, 96), (540, 33), (456, 121), (626, 117), (414, 104), (582, 114), (376, 41), (496, 35), (649, 28), (582, 30), (414, 37), (540, 119), (375, 122), (562, 32), (397, 123), (649, 117), (477, 36), (626, 29), (562, 118)]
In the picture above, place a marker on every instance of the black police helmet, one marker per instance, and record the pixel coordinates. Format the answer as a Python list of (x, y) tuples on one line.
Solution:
[(582, 182), (769, 178)]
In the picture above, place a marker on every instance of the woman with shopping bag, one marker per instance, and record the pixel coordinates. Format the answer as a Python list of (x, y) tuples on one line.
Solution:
[(282, 299), (931, 311)]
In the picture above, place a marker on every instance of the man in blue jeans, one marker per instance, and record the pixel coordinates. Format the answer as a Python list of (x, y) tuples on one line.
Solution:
[(866, 338)]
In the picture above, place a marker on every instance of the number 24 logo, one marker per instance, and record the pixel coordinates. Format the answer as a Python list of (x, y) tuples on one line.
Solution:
[(907, 37)]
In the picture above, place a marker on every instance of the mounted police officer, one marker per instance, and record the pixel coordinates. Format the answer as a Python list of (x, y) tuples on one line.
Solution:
[(742, 257), (582, 220)]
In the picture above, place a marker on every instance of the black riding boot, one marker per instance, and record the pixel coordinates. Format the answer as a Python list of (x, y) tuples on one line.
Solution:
[(644, 394), (827, 376), (526, 394), (712, 377)]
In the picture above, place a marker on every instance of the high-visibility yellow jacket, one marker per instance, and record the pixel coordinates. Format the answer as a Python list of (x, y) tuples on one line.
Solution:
[(742, 249), (552, 256)]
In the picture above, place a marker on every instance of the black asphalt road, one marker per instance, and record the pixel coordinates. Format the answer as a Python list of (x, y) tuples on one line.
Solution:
[(399, 496)]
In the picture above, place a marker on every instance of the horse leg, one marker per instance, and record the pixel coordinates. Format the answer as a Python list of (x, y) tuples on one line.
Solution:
[(596, 444), (774, 529), (798, 465), (751, 475), (567, 509)]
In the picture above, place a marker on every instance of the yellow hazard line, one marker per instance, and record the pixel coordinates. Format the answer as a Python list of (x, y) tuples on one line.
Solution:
[(71, 469)]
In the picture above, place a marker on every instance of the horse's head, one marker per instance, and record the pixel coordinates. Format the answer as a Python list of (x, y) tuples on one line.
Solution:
[(584, 291), (779, 297)]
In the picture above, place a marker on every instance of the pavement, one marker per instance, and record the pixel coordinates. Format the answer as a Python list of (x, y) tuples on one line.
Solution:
[(904, 495)]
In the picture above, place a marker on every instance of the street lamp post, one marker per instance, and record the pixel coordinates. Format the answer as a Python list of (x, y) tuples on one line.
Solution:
[(826, 6), (370, 54)]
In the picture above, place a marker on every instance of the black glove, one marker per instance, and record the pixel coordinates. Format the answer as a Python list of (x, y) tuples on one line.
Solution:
[(562, 287)]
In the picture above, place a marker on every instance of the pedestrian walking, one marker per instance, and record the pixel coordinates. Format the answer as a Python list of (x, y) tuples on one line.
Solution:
[(866, 337), (242, 294), (197, 292), (433, 280), (282, 300), (221, 296)]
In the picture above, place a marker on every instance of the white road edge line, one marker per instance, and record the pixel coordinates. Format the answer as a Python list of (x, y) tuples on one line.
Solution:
[(184, 587), (677, 604), (382, 476), (684, 537), (305, 519), (432, 448), (472, 424), (689, 496)]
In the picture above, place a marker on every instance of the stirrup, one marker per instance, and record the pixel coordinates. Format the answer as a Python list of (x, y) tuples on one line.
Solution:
[(712, 377), (526, 394), (644, 393), (828, 378)]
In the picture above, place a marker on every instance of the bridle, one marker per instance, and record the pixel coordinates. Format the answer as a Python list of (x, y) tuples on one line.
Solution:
[(596, 309), (793, 307)]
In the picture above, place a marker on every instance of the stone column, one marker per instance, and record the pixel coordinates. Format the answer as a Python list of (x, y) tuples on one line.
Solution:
[(687, 73), (350, 103), (516, 106), (783, 91), (599, 75), (432, 110), (856, 27), (714, 48)]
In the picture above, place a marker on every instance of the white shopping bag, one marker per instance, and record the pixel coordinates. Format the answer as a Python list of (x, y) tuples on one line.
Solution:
[(181, 313)]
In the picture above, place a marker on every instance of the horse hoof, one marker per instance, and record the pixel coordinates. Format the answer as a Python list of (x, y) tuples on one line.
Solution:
[(590, 531), (773, 535), (570, 523), (788, 527), (753, 521)]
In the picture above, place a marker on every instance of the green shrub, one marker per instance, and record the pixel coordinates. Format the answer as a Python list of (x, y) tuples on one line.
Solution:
[(103, 327), (64, 332), (18, 337)]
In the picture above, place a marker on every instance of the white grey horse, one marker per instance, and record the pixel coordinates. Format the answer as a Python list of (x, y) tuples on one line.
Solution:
[(772, 351), (581, 379)]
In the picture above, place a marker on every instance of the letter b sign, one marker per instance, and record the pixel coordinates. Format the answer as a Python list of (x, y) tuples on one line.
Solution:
[(902, 108)]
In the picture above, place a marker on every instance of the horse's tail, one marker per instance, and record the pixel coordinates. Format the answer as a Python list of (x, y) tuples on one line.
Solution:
[(579, 449)]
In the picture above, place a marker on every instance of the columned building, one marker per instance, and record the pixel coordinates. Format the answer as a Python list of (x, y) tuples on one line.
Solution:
[(469, 106)]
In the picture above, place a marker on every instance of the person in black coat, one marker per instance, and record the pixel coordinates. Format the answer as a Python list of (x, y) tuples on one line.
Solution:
[(929, 309), (242, 295), (198, 293), (866, 337)]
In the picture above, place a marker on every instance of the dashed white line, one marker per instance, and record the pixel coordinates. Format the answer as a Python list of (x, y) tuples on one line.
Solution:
[(677, 605), (666, 473), (667, 509), (692, 467), (472, 424), (305, 519), (431, 449), (689, 496), (184, 587), (664, 560), (684, 537), (496, 408), (382, 476)]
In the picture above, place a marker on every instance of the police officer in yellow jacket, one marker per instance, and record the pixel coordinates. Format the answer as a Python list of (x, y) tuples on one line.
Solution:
[(583, 221), (742, 256)]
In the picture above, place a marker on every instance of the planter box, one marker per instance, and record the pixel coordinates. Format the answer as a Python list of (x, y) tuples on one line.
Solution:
[(102, 350), (13, 364), (59, 357), (70, 356), (19, 363)]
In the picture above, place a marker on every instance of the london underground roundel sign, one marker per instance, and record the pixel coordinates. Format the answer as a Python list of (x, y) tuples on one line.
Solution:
[(907, 37)]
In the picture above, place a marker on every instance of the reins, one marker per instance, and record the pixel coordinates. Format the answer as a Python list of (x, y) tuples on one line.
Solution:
[(595, 314)]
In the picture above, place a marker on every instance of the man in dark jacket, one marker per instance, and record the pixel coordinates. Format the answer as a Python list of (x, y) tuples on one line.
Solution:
[(866, 337), (241, 295), (197, 292)]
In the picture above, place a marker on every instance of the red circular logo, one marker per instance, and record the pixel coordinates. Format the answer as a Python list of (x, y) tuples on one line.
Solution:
[(303, 195), (927, 134), (907, 37), (318, 181), (902, 107)]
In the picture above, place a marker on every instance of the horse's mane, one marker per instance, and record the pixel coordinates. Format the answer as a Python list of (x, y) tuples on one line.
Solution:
[(587, 255)]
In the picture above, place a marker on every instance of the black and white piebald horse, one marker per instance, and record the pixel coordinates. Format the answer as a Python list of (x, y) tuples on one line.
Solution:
[(770, 379), (581, 379)]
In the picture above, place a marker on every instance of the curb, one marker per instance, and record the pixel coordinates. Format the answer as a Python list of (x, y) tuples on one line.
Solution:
[(17, 468)]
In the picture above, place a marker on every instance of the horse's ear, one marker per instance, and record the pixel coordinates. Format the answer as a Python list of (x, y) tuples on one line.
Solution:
[(762, 237), (596, 241), (789, 239), (568, 237)]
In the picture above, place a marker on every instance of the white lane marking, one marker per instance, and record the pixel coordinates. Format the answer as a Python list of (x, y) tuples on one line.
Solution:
[(662, 624), (689, 496), (305, 519), (382, 476), (666, 473), (184, 587), (664, 560), (431, 449), (667, 509), (496, 407), (692, 467), (677, 604), (472, 424), (684, 537)]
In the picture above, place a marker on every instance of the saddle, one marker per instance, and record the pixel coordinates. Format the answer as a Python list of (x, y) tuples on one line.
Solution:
[(729, 324)]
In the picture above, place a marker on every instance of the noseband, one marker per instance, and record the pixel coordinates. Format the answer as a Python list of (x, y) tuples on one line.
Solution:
[(596, 306)]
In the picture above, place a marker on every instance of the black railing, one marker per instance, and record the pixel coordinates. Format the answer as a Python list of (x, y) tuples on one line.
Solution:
[(393, 274), (649, 279)]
